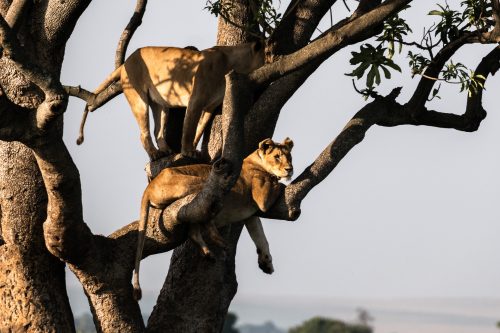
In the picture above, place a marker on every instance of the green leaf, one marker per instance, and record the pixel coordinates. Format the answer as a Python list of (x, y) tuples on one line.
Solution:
[(387, 73), (371, 76), (435, 12)]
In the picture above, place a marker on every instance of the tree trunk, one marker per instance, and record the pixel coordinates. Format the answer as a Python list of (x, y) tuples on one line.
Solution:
[(197, 293), (28, 303)]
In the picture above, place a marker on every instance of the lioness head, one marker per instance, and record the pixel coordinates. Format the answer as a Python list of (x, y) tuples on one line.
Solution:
[(276, 157)]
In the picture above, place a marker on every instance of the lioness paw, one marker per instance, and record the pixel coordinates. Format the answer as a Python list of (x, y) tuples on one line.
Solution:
[(266, 263), (195, 154)]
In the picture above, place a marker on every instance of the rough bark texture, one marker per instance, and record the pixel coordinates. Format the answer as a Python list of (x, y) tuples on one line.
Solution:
[(27, 302)]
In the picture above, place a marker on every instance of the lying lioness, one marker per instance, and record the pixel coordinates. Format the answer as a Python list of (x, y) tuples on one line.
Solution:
[(168, 77), (257, 188)]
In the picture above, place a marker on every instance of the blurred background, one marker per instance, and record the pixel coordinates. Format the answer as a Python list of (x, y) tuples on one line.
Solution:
[(405, 228)]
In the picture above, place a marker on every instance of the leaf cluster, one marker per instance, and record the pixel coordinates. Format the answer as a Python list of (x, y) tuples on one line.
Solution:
[(265, 13), (374, 59), (475, 15)]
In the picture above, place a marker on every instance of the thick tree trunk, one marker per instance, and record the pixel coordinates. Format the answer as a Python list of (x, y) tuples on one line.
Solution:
[(32, 284), (197, 293)]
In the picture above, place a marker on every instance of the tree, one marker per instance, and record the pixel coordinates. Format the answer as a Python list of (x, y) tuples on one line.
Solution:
[(325, 325), (42, 225)]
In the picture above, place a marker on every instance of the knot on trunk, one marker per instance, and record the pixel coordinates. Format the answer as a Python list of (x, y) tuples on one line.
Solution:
[(65, 240)]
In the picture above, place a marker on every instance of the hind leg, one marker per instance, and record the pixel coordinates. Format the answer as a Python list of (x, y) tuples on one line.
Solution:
[(160, 115), (195, 235), (140, 110), (214, 235), (191, 120)]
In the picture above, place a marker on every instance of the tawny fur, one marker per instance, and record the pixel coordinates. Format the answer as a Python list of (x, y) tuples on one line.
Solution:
[(257, 188), (169, 77)]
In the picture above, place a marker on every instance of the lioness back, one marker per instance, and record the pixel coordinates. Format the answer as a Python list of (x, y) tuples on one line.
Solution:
[(164, 74), (174, 183)]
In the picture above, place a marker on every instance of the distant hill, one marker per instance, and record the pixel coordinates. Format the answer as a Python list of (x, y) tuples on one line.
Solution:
[(267, 327)]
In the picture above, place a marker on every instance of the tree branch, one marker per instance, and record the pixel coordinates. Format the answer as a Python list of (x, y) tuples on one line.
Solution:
[(66, 235), (16, 10), (327, 45), (298, 24), (133, 24), (225, 172), (425, 85), (57, 22), (55, 101)]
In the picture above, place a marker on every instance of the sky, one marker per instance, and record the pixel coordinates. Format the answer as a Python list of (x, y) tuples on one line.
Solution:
[(411, 212)]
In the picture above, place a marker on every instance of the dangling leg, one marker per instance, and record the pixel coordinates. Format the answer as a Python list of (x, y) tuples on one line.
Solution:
[(256, 232), (214, 235), (140, 110), (202, 124), (195, 235), (160, 115)]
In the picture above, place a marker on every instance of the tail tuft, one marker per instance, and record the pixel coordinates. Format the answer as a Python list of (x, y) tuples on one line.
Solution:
[(79, 141)]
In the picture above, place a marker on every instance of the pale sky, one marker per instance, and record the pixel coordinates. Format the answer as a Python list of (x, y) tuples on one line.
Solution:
[(409, 212)]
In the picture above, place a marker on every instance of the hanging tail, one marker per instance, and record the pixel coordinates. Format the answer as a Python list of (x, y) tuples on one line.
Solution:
[(109, 80), (141, 235)]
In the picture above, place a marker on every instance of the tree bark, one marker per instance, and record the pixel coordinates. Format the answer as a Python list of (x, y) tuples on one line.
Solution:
[(197, 293), (27, 302)]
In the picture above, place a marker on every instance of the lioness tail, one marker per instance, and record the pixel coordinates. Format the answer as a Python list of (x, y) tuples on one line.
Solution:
[(141, 235), (114, 76)]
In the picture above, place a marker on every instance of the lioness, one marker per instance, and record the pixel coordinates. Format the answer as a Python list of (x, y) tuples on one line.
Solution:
[(167, 77), (257, 188)]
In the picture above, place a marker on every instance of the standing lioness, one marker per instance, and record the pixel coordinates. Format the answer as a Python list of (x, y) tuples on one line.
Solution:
[(257, 188), (167, 77)]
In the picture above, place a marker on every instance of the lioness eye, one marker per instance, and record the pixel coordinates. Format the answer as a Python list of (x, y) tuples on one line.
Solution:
[(277, 157)]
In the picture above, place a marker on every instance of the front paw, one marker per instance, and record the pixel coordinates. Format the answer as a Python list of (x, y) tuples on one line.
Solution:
[(266, 263), (194, 154)]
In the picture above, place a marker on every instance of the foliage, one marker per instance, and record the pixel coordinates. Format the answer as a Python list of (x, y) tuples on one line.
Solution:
[(395, 28), (264, 12), (475, 15), (326, 325), (448, 27), (373, 58)]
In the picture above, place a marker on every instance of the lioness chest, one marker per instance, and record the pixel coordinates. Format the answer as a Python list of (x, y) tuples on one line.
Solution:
[(163, 74)]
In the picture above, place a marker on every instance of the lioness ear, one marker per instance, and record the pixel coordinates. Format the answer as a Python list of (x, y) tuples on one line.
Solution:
[(265, 144), (288, 143)]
